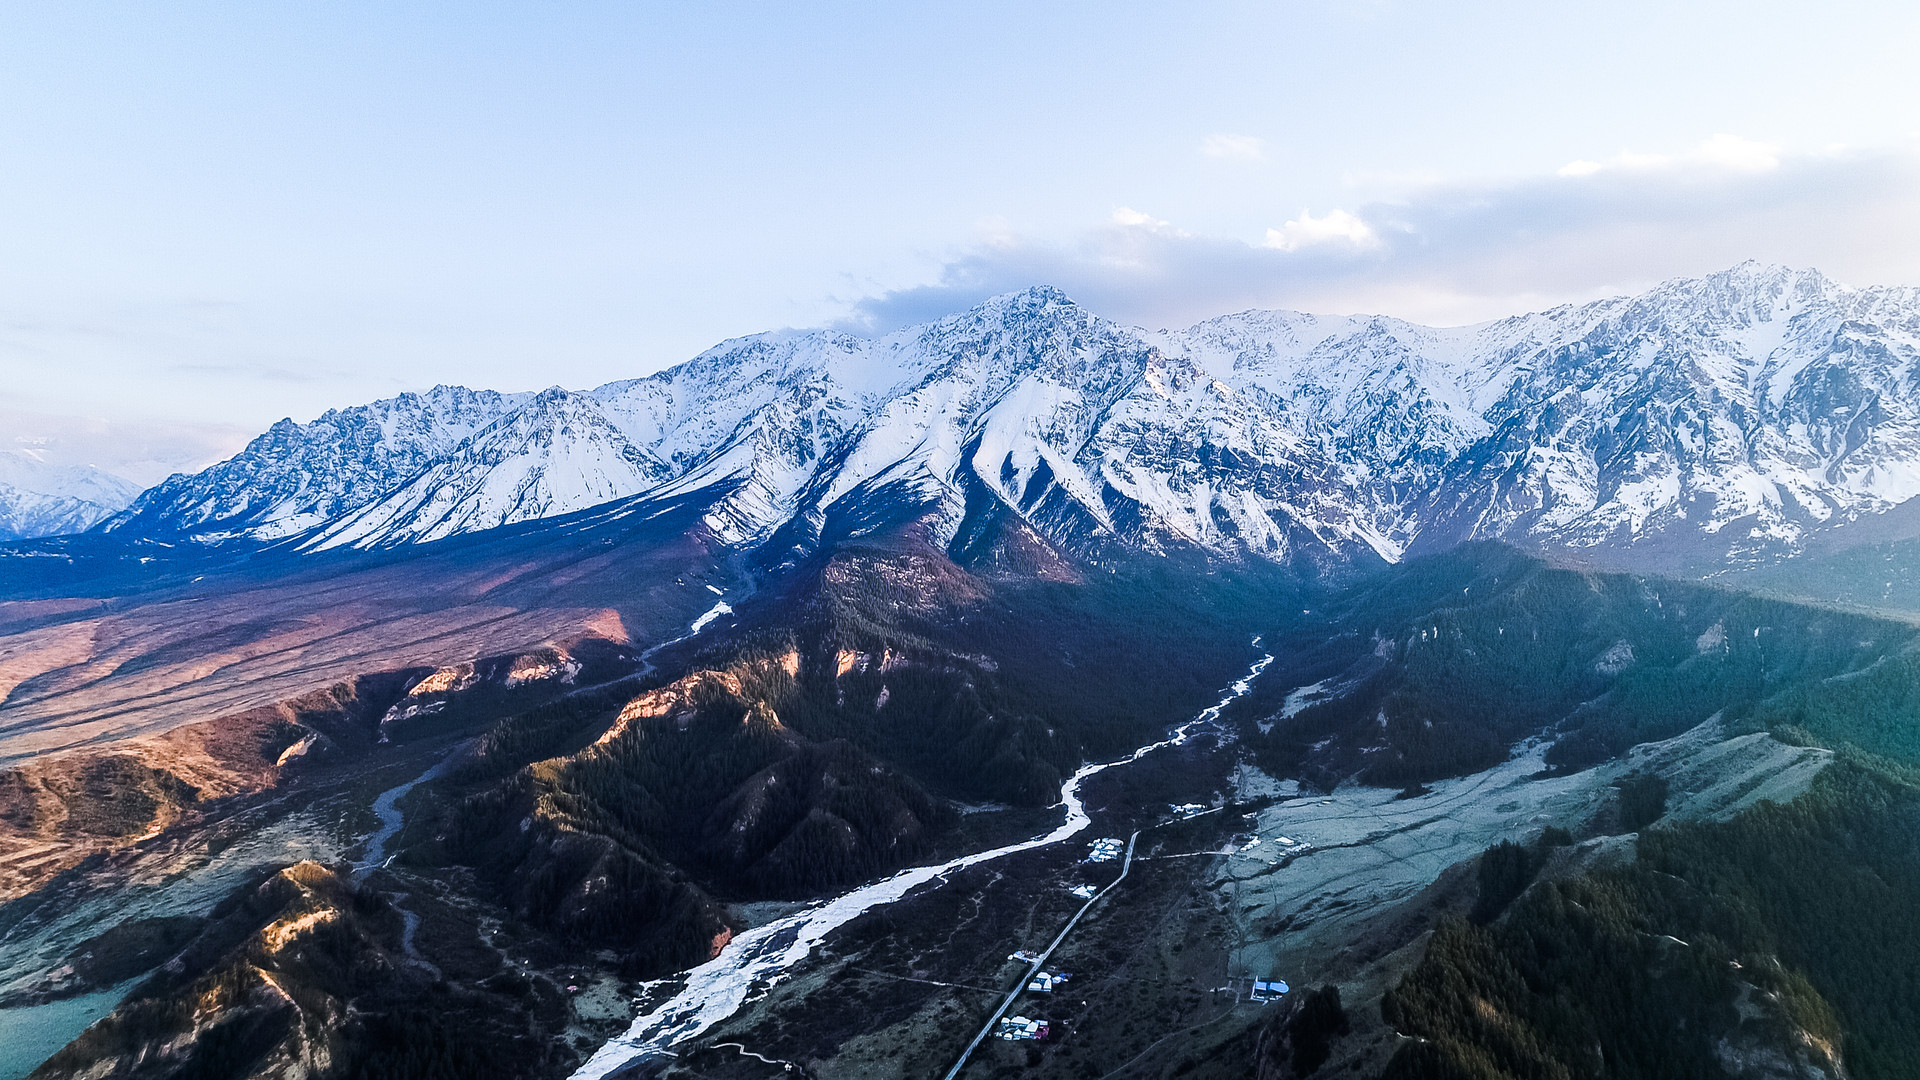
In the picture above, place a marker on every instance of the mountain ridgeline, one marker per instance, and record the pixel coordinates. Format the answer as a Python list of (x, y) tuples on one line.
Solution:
[(1714, 422)]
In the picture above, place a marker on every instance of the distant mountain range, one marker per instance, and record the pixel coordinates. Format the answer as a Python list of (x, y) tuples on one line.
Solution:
[(38, 499), (1711, 421)]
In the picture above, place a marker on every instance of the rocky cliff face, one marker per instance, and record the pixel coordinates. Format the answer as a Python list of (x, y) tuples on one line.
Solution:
[(1738, 413), (296, 478)]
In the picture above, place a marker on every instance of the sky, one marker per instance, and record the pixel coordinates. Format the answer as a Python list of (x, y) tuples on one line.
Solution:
[(216, 215)]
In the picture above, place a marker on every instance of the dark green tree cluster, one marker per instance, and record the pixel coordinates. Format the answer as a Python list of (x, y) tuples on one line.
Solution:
[(1000, 688), (1792, 928), (1642, 800), (1440, 665), (1297, 1038), (1507, 868), (420, 1044)]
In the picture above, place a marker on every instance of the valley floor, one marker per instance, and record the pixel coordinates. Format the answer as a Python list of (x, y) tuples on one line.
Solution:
[(494, 866), (1271, 883), (1337, 888)]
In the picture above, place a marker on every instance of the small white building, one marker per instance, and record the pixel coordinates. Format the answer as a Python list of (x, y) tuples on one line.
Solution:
[(1269, 990), (1021, 1028), (1044, 983)]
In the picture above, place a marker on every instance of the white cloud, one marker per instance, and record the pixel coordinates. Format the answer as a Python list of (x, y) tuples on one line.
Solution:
[(1457, 252), (1307, 230), (1723, 151), (1581, 167), (1130, 218), (1228, 147), (996, 232), (1741, 155), (144, 452)]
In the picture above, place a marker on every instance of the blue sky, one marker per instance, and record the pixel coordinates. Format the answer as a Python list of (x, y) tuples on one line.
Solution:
[(212, 216)]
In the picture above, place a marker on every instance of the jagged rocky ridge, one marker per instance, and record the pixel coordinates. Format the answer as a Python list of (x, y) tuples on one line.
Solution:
[(1722, 418)]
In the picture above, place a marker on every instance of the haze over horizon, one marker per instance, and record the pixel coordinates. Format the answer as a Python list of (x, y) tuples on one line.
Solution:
[(220, 217)]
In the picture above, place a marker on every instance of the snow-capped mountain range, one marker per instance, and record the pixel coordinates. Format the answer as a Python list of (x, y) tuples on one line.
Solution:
[(42, 499), (1730, 415)]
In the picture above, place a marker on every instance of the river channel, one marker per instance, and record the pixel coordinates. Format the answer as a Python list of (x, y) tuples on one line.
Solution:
[(757, 958)]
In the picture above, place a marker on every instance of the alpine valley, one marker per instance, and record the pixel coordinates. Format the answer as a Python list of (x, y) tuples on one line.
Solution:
[(1539, 698)]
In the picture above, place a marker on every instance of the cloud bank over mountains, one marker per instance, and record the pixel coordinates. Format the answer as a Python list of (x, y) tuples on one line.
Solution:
[(1458, 252)]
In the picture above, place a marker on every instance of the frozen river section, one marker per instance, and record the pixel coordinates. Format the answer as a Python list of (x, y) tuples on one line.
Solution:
[(757, 958)]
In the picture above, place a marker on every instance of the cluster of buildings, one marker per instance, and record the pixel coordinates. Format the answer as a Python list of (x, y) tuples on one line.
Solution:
[(1108, 849), (1043, 983), (1279, 848), (1025, 1028), (1021, 1028)]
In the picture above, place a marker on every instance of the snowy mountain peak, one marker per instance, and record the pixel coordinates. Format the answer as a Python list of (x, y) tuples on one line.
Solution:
[(1729, 415), (296, 478), (42, 499), (554, 454)]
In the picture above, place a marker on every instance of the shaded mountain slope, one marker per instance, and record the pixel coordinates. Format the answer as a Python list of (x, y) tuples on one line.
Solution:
[(1775, 944), (304, 974), (1437, 667), (295, 477), (39, 499)]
